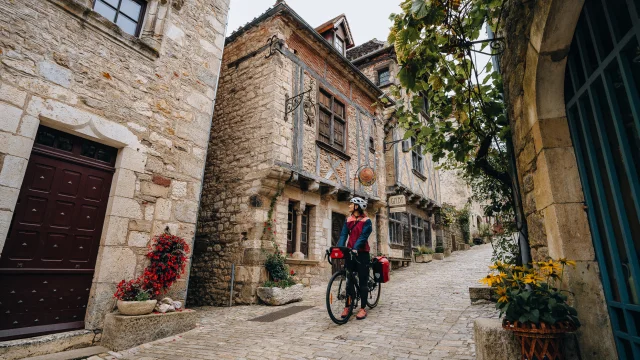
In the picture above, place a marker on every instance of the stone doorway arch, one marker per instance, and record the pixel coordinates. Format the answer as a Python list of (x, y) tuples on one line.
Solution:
[(534, 69)]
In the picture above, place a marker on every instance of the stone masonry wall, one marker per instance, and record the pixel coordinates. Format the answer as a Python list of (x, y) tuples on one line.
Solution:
[(64, 66), (246, 141)]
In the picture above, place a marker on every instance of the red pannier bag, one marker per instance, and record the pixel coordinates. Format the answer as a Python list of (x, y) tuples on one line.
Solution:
[(336, 253), (381, 268)]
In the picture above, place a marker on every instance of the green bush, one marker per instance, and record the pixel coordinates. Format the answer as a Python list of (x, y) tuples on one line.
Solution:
[(439, 250), (425, 250), (276, 267), (283, 284)]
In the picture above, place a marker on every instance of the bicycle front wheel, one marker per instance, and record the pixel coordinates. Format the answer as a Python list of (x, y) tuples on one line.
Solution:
[(337, 298)]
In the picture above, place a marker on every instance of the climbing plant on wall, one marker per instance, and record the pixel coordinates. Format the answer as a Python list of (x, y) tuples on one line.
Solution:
[(437, 42)]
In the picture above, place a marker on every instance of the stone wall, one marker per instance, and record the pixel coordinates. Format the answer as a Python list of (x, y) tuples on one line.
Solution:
[(538, 35), (64, 66)]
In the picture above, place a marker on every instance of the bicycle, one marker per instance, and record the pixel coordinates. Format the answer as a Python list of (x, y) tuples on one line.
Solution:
[(337, 292)]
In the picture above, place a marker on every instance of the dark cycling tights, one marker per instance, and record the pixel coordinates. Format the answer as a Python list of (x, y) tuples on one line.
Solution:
[(363, 275)]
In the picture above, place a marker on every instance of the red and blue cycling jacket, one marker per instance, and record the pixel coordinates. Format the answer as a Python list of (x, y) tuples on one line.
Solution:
[(358, 231)]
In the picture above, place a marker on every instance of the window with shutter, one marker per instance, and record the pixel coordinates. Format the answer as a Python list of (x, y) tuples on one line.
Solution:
[(332, 124)]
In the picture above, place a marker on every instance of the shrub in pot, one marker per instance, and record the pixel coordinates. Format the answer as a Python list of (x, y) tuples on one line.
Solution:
[(133, 299), (281, 288), (534, 306)]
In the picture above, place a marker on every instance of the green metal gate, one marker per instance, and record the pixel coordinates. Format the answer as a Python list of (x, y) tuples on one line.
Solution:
[(602, 87)]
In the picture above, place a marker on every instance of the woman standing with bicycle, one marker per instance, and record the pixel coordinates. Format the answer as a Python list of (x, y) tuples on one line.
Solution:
[(355, 233)]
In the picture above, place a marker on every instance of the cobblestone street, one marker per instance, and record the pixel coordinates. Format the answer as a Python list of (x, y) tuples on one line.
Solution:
[(424, 313)]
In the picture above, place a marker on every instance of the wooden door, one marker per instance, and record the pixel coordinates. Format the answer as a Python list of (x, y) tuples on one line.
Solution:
[(337, 222), (49, 257)]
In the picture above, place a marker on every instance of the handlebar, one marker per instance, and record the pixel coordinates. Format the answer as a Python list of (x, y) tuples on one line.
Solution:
[(345, 251)]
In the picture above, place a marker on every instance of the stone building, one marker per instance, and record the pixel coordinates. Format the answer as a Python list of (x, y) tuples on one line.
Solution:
[(570, 73), (294, 123), (459, 194), (105, 110)]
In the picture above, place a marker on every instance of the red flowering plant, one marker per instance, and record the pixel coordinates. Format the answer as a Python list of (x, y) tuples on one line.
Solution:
[(168, 260), (131, 290)]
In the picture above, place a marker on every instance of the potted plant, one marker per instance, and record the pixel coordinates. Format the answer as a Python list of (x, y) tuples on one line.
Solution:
[(167, 261), (133, 299), (534, 306), (424, 254), (439, 254), (281, 288)]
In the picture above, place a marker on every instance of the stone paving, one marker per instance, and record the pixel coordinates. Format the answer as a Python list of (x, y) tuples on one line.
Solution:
[(424, 313)]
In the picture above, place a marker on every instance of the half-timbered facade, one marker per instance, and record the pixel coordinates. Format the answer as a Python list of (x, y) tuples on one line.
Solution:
[(295, 124), (413, 182)]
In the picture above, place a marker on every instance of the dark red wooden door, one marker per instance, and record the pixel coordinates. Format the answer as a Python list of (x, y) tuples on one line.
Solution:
[(48, 260)]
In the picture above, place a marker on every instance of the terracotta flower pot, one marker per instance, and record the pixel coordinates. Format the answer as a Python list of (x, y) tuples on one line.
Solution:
[(136, 307), (543, 342)]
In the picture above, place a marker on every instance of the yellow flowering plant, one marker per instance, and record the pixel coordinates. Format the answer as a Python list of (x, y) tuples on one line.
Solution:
[(532, 294)]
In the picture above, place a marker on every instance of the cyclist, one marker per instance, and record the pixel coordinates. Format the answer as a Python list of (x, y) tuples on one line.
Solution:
[(355, 233)]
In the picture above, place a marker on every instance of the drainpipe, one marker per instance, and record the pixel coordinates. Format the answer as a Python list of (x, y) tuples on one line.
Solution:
[(521, 220)]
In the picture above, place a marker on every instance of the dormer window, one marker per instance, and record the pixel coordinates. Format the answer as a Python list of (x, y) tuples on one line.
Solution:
[(384, 76), (127, 14), (339, 44)]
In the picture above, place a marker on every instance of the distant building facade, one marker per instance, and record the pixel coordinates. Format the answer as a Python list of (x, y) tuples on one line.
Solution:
[(413, 180)]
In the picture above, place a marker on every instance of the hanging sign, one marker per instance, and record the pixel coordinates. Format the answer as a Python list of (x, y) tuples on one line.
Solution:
[(398, 200)]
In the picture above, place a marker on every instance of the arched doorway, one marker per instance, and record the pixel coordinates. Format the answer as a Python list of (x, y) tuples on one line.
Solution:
[(602, 95)]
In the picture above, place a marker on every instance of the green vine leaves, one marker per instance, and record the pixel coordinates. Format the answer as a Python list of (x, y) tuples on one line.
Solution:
[(464, 125)]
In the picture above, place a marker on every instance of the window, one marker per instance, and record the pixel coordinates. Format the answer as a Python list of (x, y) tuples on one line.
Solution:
[(372, 145), (383, 76), (395, 228), (127, 14), (331, 127), (417, 159), (417, 231), (425, 103), (292, 229), (339, 44)]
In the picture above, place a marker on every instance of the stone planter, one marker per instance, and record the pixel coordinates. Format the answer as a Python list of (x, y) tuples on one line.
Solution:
[(424, 258), (438, 256), (134, 308), (276, 296)]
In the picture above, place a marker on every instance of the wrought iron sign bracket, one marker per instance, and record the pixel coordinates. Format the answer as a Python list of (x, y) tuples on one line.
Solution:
[(275, 45), (292, 103), (497, 45)]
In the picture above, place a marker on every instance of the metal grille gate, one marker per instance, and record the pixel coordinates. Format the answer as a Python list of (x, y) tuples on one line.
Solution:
[(602, 86)]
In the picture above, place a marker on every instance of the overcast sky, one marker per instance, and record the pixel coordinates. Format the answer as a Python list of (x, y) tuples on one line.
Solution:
[(368, 19)]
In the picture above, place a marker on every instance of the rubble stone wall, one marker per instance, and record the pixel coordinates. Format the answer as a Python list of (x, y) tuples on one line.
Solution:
[(64, 66)]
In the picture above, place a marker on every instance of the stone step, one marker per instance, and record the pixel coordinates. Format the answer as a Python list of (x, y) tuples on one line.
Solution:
[(72, 354)]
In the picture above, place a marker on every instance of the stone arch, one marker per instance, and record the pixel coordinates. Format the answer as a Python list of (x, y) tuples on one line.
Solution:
[(551, 188)]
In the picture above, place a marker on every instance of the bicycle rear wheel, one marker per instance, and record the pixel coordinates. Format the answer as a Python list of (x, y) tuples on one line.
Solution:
[(374, 291), (337, 297)]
